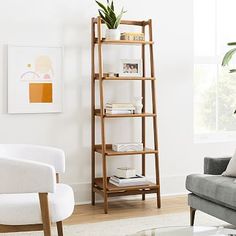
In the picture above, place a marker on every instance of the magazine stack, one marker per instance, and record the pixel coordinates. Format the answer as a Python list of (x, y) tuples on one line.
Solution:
[(125, 182), (119, 108)]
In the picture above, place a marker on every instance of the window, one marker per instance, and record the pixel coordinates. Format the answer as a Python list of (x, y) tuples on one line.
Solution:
[(214, 87)]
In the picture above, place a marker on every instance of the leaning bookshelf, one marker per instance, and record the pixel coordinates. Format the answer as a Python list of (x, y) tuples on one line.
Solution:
[(101, 185)]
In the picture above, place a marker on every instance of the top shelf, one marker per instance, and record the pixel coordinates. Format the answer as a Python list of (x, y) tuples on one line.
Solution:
[(121, 42), (128, 22)]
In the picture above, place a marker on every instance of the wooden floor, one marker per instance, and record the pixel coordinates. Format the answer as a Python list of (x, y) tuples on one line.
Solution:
[(127, 209)]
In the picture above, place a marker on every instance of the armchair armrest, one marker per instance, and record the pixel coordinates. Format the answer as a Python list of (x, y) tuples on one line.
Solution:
[(18, 176), (48, 155), (215, 166)]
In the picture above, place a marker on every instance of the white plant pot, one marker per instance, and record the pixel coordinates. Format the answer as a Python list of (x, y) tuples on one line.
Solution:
[(113, 34)]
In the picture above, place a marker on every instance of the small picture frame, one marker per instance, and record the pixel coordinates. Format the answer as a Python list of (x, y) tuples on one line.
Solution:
[(130, 68)]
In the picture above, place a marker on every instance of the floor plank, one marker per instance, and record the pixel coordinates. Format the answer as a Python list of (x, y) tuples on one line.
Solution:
[(127, 209)]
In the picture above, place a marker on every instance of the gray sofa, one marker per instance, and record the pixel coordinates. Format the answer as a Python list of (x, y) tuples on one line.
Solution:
[(211, 192)]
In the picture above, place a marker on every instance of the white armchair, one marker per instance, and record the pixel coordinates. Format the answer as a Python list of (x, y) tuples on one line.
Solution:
[(31, 197)]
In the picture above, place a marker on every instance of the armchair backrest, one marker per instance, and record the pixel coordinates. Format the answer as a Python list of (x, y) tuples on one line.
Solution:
[(43, 154), (21, 176)]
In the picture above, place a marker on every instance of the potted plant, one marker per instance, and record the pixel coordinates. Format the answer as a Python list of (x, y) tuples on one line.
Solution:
[(228, 56), (111, 19)]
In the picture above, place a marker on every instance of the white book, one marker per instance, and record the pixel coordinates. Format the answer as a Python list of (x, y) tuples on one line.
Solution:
[(120, 108), (118, 105), (119, 112), (128, 184), (136, 179)]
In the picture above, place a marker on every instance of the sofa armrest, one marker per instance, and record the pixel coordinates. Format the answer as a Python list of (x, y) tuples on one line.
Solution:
[(215, 166)]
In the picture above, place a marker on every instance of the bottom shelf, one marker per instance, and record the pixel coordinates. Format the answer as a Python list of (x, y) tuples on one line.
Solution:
[(113, 190)]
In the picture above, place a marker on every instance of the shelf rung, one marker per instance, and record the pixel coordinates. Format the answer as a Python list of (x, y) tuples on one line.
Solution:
[(121, 42), (131, 192), (98, 113), (110, 152), (116, 189), (128, 22), (123, 78)]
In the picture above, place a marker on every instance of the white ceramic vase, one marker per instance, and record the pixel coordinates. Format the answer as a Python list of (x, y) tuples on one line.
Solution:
[(112, 34), (138, 105)]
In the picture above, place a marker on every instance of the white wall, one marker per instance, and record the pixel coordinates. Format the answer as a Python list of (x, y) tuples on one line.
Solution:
[(48, 22)]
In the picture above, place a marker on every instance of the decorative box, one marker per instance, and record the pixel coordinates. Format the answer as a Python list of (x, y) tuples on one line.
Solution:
[(127, 147), (125, 172)]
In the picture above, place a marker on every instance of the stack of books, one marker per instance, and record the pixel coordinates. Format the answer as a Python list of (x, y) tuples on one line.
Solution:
[(132, 36), (119, 108), (126, 182)]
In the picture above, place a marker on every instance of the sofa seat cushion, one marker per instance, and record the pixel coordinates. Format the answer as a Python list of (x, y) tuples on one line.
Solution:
[(22, 209), (215, 188)]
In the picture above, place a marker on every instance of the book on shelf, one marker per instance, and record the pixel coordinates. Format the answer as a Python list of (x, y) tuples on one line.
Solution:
[(120, 105), (119, 108), (126, 182), (117, 112), (132, 36)]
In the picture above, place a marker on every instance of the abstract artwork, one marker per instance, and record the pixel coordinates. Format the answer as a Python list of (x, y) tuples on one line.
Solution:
[(34, 79)]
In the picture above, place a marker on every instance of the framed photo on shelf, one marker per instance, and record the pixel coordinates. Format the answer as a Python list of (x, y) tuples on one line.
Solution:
[(130, 68)]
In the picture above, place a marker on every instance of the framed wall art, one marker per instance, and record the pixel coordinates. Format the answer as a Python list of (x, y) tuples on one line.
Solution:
[(34, 79)]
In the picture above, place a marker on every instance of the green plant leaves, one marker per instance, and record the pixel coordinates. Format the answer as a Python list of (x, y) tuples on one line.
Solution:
[(101, 5), (118, 19), (112, 5), (231, 43), (108, 15), (232, 71), (228, 57), (105, 19)]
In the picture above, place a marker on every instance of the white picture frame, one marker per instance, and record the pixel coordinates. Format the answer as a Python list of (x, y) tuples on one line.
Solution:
[(130, 68), (35, 79)]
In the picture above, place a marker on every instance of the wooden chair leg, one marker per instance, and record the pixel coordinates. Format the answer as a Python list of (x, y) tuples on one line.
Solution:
[(192, 215), (59, 228), (43, 198)]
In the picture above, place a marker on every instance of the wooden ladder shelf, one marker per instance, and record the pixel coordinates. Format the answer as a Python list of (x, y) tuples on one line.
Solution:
[(101, 185)]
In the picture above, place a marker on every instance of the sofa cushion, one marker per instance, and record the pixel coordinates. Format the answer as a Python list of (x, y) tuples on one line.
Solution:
[(215, 188)]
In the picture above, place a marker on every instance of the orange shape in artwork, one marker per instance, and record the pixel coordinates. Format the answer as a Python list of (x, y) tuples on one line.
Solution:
[(40, 92)]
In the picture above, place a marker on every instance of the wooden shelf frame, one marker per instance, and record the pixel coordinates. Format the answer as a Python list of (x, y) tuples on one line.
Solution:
[(121, 42), (101, 185), (123, 78), (111, 188), (98, 113), (110, 152), (96, 20)]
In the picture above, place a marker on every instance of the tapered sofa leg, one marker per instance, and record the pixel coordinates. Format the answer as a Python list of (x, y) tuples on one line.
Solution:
[(192, 215), (59, 228)]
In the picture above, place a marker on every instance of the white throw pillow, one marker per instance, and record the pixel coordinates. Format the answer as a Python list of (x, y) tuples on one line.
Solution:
[(231, 168)]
